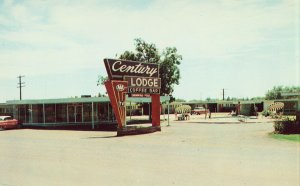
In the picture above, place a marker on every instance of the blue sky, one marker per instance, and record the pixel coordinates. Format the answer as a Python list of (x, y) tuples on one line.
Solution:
[(246, 47)]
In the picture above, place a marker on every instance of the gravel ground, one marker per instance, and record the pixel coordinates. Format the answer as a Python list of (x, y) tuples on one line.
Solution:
[(185, 153)]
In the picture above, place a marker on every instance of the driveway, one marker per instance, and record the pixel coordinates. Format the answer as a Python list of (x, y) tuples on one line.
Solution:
[(185, 153)]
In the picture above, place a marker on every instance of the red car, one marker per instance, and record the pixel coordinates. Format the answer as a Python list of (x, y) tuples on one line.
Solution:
[(7, 122)]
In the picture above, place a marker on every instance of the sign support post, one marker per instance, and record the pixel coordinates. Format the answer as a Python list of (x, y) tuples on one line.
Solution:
[(155, 98)]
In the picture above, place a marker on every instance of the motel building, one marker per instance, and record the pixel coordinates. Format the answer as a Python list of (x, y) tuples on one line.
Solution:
[(95, 112), (88, 112)]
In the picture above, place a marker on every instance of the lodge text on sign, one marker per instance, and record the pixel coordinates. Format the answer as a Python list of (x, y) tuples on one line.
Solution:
[(143, 85), (143, 82)]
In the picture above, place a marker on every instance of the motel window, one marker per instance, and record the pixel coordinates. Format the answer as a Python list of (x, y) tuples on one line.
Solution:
[(61, 113), (50, 113), (40, 114), (103, 112), (87, 112), (22, 113), (35, 113), (96, 111), (290, 106), (27, 114)]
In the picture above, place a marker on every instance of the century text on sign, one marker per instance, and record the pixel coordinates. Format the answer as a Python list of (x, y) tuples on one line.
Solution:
[(116, 69)]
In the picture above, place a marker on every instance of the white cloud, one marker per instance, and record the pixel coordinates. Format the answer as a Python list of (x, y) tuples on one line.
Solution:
[(210, 28)]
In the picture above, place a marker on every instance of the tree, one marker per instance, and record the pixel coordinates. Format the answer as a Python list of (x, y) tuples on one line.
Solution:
[(146, 52), (257, 98), (169, 71), (168, 62), (128, 55), (276, 92), (180, 100), (101, 80)]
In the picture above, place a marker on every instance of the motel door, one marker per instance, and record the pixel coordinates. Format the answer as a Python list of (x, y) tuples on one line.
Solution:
[(75, 113)]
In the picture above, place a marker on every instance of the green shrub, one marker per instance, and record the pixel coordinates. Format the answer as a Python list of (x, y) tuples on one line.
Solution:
[(271, 114), (267, 113), (287, 126)]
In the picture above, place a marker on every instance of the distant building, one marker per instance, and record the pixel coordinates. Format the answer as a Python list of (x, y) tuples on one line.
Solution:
[(247, 107)]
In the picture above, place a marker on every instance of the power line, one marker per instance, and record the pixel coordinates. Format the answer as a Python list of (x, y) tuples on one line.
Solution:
[(20, 85)]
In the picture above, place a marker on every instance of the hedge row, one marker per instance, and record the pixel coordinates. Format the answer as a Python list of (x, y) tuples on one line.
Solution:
[(287, 126)]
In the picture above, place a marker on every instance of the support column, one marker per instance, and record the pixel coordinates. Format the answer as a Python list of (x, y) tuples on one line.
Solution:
[(168, 113), (25, 113), (67, 113), (44, 114), (55, 113), (31, 114), (155, 109), (93, 121), (82, 118)]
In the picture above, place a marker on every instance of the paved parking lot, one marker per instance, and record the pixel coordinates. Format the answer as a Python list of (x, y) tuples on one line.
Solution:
[(186, 153)]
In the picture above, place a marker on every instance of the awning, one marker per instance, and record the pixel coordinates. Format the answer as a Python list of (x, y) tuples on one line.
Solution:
[(276, 106), (183, 109)]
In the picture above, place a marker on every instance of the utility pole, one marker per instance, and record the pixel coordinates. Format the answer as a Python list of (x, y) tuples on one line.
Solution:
[(21, 84), (223, 93)]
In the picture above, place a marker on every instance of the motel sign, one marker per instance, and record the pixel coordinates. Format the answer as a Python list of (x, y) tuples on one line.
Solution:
[(136, 78)]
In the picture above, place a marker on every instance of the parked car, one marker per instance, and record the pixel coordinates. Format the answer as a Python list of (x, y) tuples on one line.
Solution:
[(199, 110), (7, 122)]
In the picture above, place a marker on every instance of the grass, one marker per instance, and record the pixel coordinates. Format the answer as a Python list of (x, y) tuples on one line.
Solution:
[(290, 137)]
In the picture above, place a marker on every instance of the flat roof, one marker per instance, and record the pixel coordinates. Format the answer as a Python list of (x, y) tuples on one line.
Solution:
[(290, 93), (82, 100), (225, 102)]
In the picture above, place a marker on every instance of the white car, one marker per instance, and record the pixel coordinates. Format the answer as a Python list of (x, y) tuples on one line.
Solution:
[(199, 110)]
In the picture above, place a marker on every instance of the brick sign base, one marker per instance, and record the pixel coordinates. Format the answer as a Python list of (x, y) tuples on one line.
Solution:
[(134, 130)]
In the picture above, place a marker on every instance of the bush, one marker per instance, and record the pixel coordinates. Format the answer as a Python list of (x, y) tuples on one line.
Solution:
[(287, 126), (271, 114), (266, 113)]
